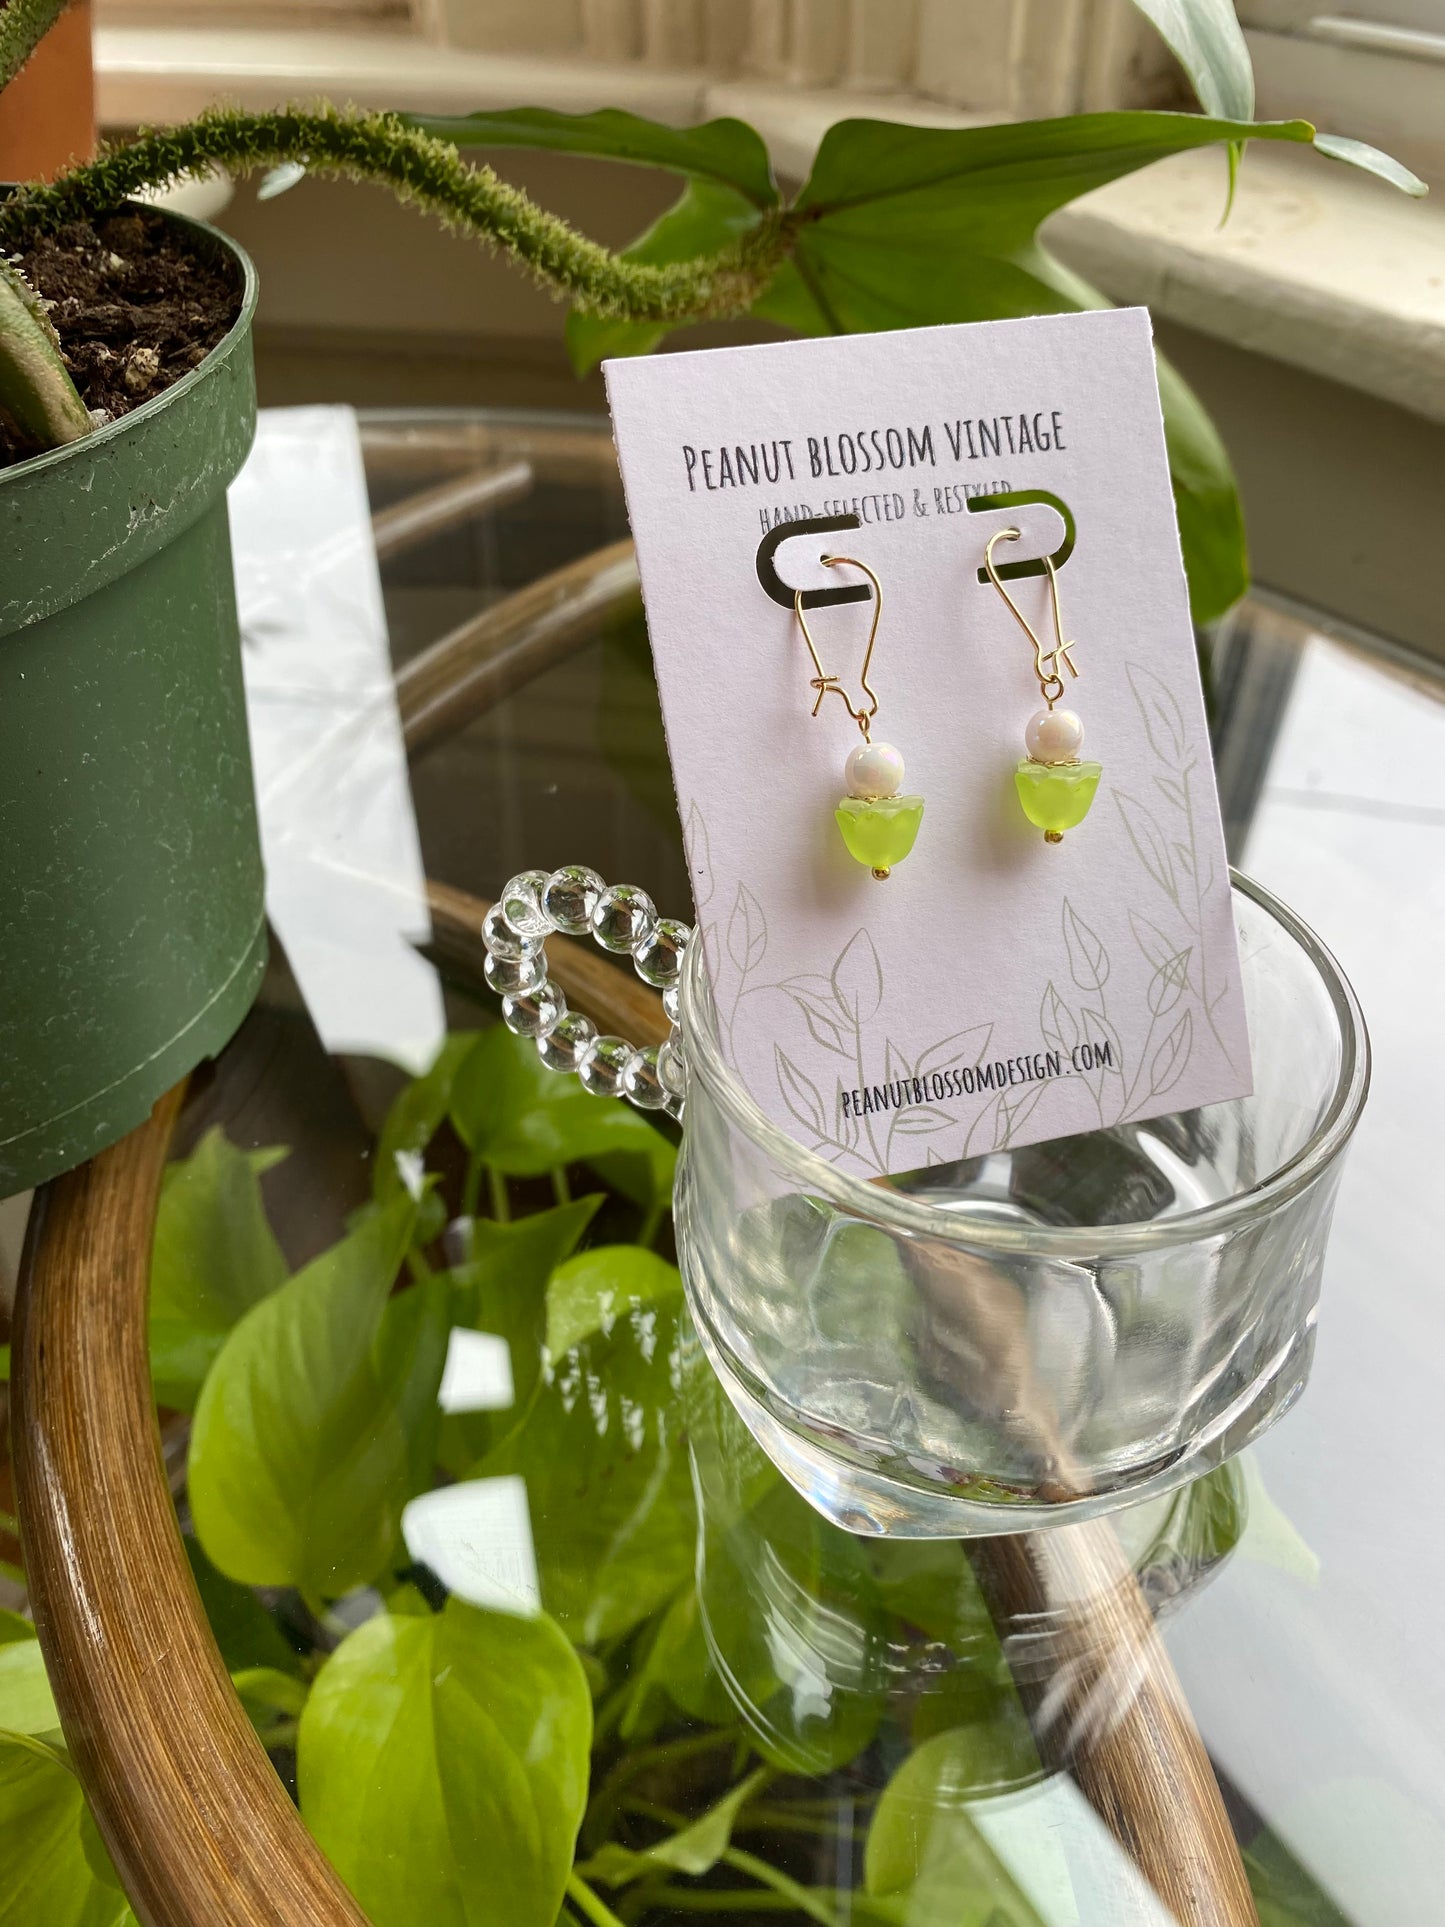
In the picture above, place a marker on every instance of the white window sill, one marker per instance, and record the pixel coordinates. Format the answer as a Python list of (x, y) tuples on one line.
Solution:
[(147, 74), (1318, 266)]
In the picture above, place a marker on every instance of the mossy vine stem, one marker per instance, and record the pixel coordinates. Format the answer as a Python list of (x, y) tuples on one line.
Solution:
[(429, 174)]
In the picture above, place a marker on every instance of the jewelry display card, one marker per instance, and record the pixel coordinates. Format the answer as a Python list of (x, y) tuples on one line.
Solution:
[(996, 988)]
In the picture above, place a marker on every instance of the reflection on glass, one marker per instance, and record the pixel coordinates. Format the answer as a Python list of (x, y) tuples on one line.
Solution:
[(821, 1638), (476, 1540)]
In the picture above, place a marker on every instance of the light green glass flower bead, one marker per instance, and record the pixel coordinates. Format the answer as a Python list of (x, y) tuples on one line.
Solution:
[(879, 835), (1054, 786), (1056, 796), (879, 826)]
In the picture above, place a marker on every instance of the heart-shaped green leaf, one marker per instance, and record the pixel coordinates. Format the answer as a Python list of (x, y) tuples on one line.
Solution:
[(795, 1622), (727, 152), (592, 1291), (213, 1258), (313, 1428), (241, 1626), (414, 1119), (27, 1704), (443, 1767), (925, 1844), (692, 1850), (914, 226), (522, 1119), (54, 1871), (601, 1449), (502, 1288)]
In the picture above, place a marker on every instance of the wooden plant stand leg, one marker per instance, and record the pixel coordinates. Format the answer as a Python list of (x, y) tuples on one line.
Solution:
[(1107, 1707), (200, 1827)]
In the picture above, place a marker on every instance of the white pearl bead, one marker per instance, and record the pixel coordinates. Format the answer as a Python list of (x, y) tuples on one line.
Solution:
[(873, 770), (1054, 736)]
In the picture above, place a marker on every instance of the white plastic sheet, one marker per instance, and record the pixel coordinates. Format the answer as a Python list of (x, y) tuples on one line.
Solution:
[(345, 887)]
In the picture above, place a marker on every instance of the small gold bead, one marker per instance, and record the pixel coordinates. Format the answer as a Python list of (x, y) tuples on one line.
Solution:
[(1053, 836), (882, 875)]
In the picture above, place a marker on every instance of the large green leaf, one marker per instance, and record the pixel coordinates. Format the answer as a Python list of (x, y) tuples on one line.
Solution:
[(245, 1632), (213, 1258), (925, 1846), (602, 1453), (727, 152), (693, 1850), (1206, 501), (305, 1443), (993, 185), (414, 1119), (1339, 147), (1284, 1892), (443, 1767), (502, 1288), (797, 1627), (27, 1704), (54, 1872), (592, 1291), (1205, 38), (915, 226), (522, 1119)]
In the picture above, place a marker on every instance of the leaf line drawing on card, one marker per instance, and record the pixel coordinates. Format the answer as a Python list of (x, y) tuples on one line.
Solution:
[(1089, 968), (1121, 1086), (1173, 855), (696, 843), (835, 1009)]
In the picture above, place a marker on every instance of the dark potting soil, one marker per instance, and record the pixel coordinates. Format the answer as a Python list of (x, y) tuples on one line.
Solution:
[(134, 307)]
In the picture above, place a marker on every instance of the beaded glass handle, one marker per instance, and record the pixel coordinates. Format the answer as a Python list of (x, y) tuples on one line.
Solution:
[(624, 920)]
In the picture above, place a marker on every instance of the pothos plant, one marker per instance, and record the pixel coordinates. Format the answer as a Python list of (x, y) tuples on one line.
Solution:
[(659, 1734), (895, 226)]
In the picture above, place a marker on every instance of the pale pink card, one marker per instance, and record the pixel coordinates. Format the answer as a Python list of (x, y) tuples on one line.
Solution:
[(995, 989)]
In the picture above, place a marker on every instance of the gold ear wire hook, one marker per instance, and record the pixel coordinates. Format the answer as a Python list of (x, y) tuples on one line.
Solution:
[(824, 683), (1046, 661)]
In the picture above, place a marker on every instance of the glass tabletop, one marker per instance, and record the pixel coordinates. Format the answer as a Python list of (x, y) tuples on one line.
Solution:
[(745, 1710)]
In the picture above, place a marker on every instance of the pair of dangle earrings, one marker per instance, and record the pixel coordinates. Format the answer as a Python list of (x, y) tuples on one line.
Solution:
[(1055, 786)]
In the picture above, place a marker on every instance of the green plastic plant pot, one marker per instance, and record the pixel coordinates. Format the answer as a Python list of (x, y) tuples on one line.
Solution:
[(132, 935)]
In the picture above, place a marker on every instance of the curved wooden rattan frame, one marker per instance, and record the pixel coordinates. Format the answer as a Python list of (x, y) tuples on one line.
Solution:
[(199, 1824)]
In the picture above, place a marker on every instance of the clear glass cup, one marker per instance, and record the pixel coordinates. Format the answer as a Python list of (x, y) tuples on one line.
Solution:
[(822, 1641), (1040, 1334)]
